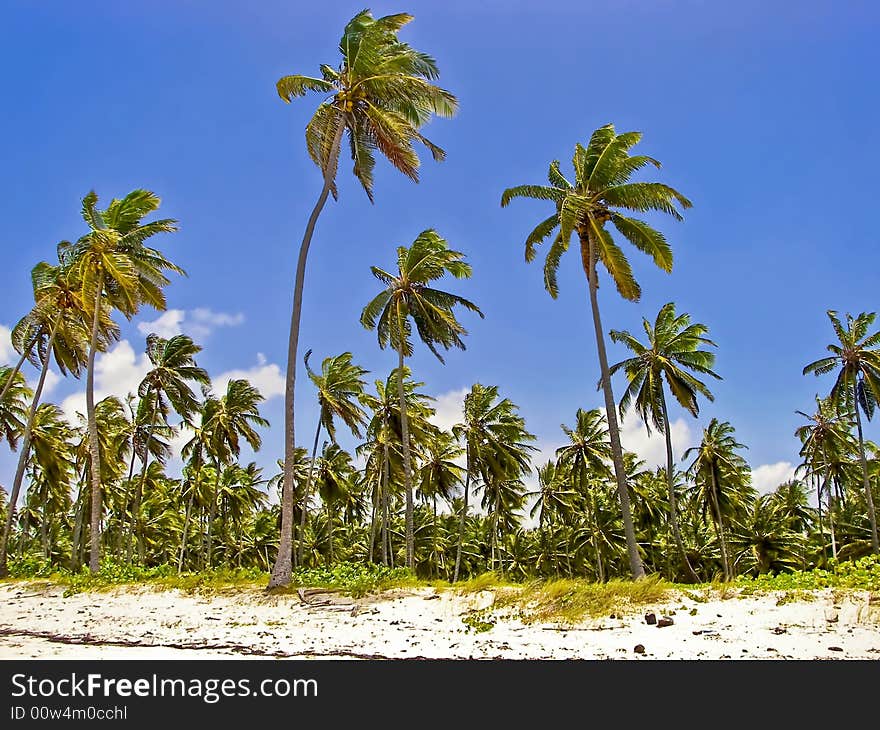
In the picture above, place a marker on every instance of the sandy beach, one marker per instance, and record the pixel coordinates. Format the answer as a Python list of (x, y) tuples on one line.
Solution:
[(38, 621)]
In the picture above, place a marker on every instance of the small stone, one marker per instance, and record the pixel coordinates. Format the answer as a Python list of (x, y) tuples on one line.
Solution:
[(664, 622), (835, 648), (650, 619), (639, 649)]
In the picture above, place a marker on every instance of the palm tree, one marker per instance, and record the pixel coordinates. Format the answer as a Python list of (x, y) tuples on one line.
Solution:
[(112, 264), (409, 295), (496, 446), (232, 417), (439, 477), (167, 386), (381, 93), (13, 405), (718, 472), (601, 188), (553, 496), (827, 447), (674, 348), (340, 386), (857, 386), (334, 478)]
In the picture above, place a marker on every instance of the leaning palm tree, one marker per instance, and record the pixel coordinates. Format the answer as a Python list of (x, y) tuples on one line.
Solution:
[(113, 266), (720, 473), (674, 348), (340, 387), (13, 406), (602, 188), (857, 386), (381, 94), (408, 295)]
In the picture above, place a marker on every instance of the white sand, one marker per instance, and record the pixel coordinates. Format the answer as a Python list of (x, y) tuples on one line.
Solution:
[(37, 621)]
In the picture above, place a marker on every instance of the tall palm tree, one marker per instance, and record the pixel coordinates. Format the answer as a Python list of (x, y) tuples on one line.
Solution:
[(408, 295), (233, 417), (114, 266), (381, 93), (340, 386), (497, 446), (165, 387), (602, 188), (718, 472), (553, 495), (857, 358), (674, 348)]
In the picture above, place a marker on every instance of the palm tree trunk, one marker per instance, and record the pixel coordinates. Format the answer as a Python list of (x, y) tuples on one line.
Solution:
[(386, 472), (212, 512), (136, 507), (670, 480), (189, 505), (407, 465), (374, 519), (435, 562), (464, 508), (25, 452), (79, 508), (588, 257), (306, 492), (27, 351), (94, 447), (719, 527), (283, 567), (872, 518)]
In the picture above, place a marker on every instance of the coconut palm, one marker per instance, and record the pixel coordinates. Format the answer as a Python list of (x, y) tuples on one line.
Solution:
[(381, 93), (13, 405), (340, 386), (408, 295), (165, 387), (601, 189), (497, 446), (719, 473), (674, 347), (857, 358), (113, 265), (439, 478), (233, 417), (827, 445), (554, 498)]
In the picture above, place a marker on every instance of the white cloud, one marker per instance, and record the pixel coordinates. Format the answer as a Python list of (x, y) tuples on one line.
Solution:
[(167, 325), (767, 477), (449, 409), (117, 372), (7, 351), (265, 376), (652, 448), (198, 322)]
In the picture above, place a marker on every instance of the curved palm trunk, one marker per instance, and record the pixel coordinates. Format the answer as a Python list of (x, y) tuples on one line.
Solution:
[(283, 567), (407, 463), (27, 351), (94, 447), (588, 257), (670, 481), (464, 508), (23, 456), (305, 498), (719, 528), (872, 518)]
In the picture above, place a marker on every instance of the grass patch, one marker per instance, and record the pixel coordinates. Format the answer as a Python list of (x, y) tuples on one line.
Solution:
[(571, 601), (862, 574)]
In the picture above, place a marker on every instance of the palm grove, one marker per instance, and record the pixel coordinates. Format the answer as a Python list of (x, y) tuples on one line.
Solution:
[(446, 504)]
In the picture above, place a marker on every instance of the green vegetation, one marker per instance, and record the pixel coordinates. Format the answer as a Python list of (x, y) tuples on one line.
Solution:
[(427, 504)]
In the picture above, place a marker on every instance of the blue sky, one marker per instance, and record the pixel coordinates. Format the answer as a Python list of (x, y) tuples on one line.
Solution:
[(764, 116)]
